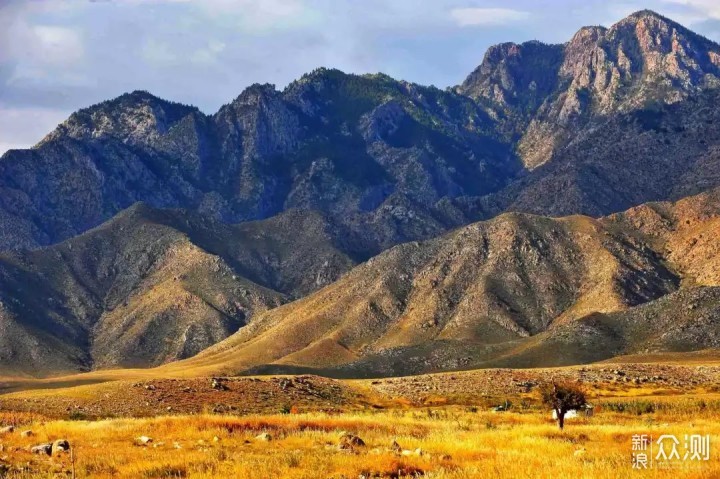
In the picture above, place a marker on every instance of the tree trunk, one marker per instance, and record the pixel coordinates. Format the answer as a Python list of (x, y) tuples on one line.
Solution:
[(561, 419)]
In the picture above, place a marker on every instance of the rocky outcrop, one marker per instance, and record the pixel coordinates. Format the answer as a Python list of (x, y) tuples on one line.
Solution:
[(310, 146), (549, 92)]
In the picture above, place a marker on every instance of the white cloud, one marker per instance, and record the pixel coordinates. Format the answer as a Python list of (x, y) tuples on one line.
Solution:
[(466, 17), (57, 45), (22, 127), (158, 53), (208, 54), (711, 8), (253, 14), (41, 44)]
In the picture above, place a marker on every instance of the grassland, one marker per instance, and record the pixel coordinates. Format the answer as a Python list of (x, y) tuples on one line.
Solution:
[(454, 443), (442, 424)]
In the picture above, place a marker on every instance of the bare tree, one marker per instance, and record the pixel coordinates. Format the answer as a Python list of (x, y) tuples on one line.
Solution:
[(562, 397)]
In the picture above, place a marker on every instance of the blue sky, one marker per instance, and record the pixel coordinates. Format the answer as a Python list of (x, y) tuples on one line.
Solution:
[(60, 55)]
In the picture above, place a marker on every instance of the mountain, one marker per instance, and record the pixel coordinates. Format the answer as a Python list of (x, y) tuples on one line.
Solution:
[(545, 129), (497, 292), (546, 92), (614, 118), (358, 224), (151, 286), (373, 153)]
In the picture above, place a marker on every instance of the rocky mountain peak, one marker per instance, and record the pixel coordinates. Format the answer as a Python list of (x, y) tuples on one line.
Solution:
[(256, 93), (135, 117), (665, 50), (515, 77), (649, 17), (544, 90)]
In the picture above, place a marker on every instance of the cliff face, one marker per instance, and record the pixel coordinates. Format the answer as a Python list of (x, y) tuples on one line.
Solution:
[(552, 91)]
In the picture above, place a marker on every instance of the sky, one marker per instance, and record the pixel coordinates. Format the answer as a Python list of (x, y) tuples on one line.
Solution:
[(57, 56)]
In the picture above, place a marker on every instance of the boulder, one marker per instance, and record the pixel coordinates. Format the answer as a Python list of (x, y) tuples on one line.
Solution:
[(60, 445), (42, 449), (143, 440), (350, 441), (218, 384), (264, 437), (27, 433), (395, 447), (416, 452), (7, 429)]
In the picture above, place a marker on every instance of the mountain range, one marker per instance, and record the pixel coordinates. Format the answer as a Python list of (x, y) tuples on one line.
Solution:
[(558, 206)]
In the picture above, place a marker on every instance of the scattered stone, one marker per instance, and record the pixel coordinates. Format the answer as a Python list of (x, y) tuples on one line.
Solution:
[(264, 437), (42, 449), (60, 445), (27, 433), (350, 441), (395, 447), (7, 429), (144, 440), (218, 384)]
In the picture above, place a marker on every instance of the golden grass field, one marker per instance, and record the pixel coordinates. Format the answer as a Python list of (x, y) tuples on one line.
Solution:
[(455, 442), (442, 434)]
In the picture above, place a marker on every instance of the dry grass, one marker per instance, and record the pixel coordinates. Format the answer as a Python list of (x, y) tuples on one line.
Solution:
[(456, 443)]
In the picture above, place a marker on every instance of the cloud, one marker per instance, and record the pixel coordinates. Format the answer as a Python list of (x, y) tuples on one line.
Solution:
[(251, 15), (41, 44), (22, 127), (710, 8), (156, 52), (208, 54), (57, 45), (466, 17)]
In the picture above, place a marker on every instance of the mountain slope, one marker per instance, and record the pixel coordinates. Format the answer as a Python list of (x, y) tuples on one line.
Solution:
[(151, 286), (485, 291)]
